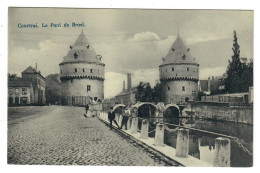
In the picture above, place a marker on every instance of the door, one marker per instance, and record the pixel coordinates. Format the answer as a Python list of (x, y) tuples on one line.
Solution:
[(16, 100)]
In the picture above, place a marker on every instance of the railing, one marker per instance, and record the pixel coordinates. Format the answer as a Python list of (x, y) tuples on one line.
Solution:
[(141, 126)]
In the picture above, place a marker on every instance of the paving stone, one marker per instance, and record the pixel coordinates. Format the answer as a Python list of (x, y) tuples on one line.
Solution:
[(64, 136)]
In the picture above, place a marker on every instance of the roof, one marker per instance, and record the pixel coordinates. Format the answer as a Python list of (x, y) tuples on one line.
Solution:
[(29, 70), (81, 51), (214, 85), (179, 53), (126, 91), (19, 83)]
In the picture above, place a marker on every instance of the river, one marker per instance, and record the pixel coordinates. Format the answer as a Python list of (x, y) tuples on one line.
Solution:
[(202, 145)]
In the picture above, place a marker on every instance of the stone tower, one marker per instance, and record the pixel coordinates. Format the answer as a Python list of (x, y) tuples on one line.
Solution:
[(82, 74), (179, 74)]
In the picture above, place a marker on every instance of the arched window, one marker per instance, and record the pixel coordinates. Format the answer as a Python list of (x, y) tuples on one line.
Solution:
[(76, 70), (183, 88), (172, 69), (188, 69)]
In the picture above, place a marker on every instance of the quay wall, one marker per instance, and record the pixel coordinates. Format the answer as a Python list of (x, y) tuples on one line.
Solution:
[(221, 111)]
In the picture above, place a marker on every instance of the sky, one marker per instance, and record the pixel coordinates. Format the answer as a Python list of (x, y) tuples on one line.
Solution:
[(130, 41)]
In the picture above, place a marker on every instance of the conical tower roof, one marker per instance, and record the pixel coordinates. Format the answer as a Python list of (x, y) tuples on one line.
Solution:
[(179, 53), (81, 51)]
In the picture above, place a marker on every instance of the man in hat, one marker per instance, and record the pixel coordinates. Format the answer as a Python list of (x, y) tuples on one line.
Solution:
[(111, 117)]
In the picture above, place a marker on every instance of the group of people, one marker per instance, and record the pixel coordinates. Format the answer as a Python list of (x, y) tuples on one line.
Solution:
[(125, 114)]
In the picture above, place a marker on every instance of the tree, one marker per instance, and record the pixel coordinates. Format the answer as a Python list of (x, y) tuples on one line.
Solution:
[(53, 89), (145, 93), (236, 80)]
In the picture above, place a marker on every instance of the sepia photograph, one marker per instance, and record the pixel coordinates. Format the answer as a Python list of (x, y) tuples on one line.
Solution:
[(130, 87)]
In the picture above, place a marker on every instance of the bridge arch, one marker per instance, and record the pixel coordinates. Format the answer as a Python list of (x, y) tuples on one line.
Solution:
[(144, 109), (118, 108), (172, 111)]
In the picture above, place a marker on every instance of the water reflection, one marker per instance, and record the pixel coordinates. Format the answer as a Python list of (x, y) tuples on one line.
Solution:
[(202, 145)]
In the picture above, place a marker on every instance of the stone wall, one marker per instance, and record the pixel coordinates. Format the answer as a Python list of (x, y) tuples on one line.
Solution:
[(69, 69), (175, 93), (221, 111), (180, 70), (78, 87)]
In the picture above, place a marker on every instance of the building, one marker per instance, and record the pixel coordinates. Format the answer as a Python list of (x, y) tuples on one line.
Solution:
[(38, 83), (179, 74), (127, 95), (82, 74), (20, 92), (210, 86)]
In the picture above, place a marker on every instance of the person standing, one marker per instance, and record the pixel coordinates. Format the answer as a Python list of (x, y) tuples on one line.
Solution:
[(111, 117), (87, 108), (125, 115)]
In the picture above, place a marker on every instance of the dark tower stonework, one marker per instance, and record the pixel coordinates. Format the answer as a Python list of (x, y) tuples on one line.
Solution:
[(82, 73), (179, 74)]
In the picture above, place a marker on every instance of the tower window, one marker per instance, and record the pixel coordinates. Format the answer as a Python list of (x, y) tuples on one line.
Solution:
[(183, 88), (91, 70), (183, 57), (188, 69), (172, 69), (76, 70), (83, 70), (76, 55), (169, 88), (88, 88)]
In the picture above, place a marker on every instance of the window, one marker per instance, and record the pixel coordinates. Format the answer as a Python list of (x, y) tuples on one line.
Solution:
[(188, 69), (16, 90), (91, 70), (172, 69), (183, 57), (83, 70), (183, 88), (60, 71), (166, 69), (88, 88), (76, 70), (76, 55), (24, 91), (169, 88)]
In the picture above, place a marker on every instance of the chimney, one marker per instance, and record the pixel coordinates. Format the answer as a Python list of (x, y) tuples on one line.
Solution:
[(123, 85), (209, 84), (129, 83)]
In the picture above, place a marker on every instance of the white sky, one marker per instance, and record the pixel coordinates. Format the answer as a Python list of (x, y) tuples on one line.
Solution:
[(130, 41)]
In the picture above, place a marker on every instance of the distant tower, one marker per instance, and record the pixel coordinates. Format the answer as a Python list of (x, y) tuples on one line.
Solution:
[(179, 74), (82, 73)]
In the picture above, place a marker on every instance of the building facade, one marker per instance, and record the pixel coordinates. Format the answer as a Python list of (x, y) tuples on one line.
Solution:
[(38, 82), (82, 74), (20, 92), (179, 74)]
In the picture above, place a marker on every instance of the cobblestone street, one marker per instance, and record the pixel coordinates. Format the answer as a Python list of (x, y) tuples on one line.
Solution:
[(63, 136)]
